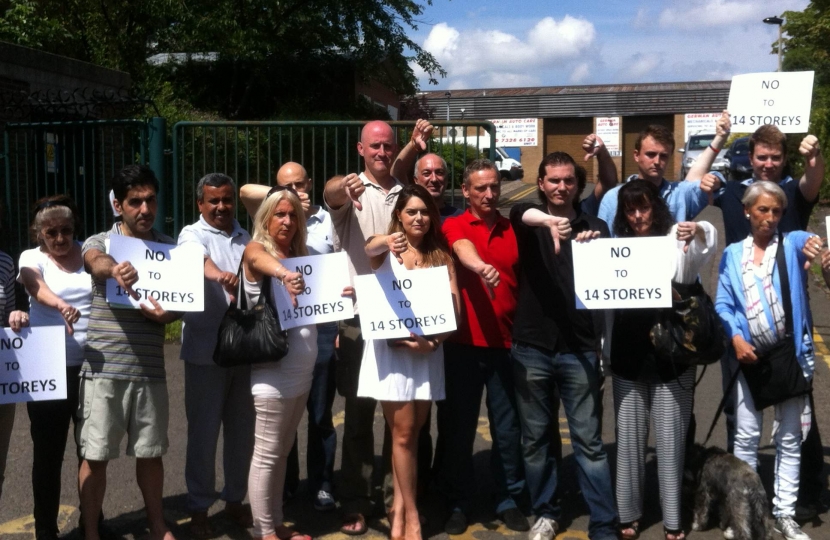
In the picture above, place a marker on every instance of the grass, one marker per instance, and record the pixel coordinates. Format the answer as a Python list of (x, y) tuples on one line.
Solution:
[(173, 331)]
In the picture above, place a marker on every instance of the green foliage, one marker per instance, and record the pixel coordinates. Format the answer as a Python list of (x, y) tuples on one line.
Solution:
[(265, 56), (457, 156), (173, 331), (807, 47)]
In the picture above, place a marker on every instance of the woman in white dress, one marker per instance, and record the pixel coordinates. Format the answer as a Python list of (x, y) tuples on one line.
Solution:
[(406, 375)]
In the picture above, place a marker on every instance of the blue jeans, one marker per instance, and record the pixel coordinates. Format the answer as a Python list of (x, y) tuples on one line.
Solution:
[(468, 370), (322, 437), (538, 373)]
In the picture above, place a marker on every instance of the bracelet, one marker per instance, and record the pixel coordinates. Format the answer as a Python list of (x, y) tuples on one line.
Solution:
[(715, 150)]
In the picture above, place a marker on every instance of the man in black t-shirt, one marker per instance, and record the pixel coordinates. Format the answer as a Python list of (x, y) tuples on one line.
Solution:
[(555, 347)]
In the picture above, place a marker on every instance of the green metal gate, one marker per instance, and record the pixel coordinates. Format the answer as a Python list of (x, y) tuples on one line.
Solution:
[(253, 151), (75, 158)]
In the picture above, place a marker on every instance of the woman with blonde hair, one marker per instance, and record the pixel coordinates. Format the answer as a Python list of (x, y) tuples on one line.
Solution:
[(280, 389)]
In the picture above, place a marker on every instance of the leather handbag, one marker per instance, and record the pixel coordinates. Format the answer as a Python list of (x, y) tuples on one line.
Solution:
[(250, 336), (777, 375), (689, 333)]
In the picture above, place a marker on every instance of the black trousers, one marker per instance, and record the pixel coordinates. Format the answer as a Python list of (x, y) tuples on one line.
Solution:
[(49, 427), (812, 464)]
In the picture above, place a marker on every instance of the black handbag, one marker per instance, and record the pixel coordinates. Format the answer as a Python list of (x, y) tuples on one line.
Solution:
[(250, 336), (777, 376), (689, 333)]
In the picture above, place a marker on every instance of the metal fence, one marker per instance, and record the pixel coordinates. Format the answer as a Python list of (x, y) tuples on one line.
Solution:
[(75, 158), (252, 152)]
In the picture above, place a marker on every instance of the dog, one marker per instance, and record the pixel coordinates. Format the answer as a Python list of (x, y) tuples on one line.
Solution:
[(727, 486)]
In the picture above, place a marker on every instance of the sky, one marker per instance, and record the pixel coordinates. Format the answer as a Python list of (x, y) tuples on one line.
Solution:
[(514, 43)]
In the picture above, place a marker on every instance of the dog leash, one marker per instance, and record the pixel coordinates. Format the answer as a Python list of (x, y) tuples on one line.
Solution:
[(722, 404)]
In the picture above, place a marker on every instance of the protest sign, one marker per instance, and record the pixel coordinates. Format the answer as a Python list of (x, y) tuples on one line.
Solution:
[(33, 364), (623, 272), (608, 129), (325, 277), (393, 304), (780, 98), (173, 275)]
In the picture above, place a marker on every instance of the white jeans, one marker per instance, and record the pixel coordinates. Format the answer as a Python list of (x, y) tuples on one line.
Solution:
[(276, 426), (787, 444)]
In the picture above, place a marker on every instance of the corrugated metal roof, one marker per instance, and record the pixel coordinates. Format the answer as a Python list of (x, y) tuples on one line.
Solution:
[(570, 101)]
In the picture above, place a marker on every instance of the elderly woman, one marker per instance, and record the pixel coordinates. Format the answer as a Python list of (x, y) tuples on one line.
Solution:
[(60, 293), (280, 389), (754, 314), (645, 387), (407, 375)]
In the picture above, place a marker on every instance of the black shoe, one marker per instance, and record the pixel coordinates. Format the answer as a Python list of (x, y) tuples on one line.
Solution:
[(457, 523), (46, 535), (805, 512), (514, 520)]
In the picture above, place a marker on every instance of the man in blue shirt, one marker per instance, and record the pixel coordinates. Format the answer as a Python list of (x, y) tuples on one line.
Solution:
[(685, 199)]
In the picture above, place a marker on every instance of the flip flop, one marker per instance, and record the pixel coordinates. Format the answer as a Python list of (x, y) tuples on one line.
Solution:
[(354, 525)]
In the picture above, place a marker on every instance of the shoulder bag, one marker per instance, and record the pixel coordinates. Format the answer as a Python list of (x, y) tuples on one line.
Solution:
[(689, 333), (250, 336), (777, 375)]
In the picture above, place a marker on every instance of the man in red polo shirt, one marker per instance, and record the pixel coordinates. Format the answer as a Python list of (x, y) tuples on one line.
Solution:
[(478, 354)]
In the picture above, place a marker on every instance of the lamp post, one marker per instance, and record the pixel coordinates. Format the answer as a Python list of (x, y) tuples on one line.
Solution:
[(449, 95), (777, 21)]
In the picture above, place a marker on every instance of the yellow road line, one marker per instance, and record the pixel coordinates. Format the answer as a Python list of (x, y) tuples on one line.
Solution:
[(821, 347), (523, 192), (26, 524)]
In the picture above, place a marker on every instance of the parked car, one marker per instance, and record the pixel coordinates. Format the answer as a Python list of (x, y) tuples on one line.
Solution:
[(696, 144), (738, 155), (509, 168)]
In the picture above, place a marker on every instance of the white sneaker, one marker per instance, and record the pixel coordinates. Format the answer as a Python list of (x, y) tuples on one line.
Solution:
[(544, 529), (789, 529), (729, 533)]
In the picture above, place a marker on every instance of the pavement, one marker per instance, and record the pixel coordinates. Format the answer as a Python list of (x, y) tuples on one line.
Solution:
[(123, 506)]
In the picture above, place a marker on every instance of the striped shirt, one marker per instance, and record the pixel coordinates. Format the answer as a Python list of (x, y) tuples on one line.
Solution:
[(121, 343), (7, 298)]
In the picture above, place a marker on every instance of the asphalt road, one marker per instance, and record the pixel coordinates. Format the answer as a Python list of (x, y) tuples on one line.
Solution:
[(124, 509)]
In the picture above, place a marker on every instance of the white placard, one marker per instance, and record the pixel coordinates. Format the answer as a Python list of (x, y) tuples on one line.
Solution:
[(516, 132), (827, 225), (608, 129), (781, 99), (623, 272), (695, 123), (325, 278), (393, 304), (32, 364), (173, 275)]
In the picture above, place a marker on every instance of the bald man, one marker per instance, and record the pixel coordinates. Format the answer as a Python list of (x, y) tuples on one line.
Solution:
[(430, 170), (322, 438), (361, 206)]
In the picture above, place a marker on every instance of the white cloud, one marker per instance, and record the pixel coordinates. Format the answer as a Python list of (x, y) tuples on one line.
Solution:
[(580, 73), (719, 13), (497, 58), (639, 67)]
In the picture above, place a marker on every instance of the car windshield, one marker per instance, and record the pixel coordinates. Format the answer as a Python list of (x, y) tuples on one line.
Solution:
[(700, 142), (740, 147)]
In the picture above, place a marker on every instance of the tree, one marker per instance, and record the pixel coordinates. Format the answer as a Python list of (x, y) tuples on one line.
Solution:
[(807, 47), (257, 44)]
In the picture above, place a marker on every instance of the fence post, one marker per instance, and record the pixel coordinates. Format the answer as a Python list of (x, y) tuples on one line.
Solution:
[(157, 136)]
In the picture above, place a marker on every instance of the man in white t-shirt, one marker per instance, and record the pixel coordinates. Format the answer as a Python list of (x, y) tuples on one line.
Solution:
[(215, 396)]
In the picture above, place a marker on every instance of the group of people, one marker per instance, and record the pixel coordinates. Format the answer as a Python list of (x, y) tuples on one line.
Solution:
[(519, 335)]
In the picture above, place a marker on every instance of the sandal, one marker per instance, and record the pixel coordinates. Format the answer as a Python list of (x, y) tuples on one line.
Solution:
[(200, 528), (633, 527), (293, 535), (674, 534), (354, 525)]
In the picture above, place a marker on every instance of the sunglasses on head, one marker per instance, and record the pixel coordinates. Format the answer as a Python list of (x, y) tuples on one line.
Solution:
[(276, 189)]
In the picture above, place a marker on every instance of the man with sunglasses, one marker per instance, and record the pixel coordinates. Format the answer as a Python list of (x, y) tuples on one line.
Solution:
[(360, 206)]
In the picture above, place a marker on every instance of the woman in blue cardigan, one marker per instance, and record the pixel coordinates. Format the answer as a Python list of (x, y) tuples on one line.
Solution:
[(750, 305)]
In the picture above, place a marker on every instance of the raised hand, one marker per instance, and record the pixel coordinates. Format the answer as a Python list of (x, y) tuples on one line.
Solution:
[(354, 189), (592, 145)]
